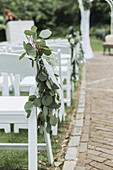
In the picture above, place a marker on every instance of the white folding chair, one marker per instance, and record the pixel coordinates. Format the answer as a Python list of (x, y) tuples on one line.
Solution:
[(15, 30), (65, 68), (12, 111)]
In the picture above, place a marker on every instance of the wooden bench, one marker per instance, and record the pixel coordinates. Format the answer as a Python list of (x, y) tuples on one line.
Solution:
[(108, 43)]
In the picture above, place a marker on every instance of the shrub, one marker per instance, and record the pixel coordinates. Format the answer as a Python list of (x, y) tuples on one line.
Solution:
[(100, 34)]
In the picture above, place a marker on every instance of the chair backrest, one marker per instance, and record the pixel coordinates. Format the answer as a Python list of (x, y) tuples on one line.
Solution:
[(64, 49), (9, 63), (15, 30), (109, 38)]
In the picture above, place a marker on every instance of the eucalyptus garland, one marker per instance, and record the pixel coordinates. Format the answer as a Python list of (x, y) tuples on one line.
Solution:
[(47, 98), (87, 4), (73, 40)]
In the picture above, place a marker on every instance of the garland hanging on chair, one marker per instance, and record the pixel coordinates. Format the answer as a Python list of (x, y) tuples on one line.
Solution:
[(48, 98)]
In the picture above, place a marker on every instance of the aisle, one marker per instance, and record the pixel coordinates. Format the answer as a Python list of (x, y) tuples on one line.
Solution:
[(96, 145)]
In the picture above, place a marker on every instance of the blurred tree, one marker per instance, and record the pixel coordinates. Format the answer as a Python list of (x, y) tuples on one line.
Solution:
[(100, 13), (55, 14), (66, 13)]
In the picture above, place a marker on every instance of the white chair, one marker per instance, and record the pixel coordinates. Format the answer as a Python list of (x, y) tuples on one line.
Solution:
[(15, 30), (65, 68), (12, 109)]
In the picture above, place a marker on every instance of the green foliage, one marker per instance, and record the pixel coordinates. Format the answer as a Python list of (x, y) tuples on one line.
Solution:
[(87, 4), (96, 44), (47, 98), (73, 40), (100, 13)]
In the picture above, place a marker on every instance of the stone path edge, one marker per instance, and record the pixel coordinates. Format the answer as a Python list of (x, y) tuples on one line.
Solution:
[(74, 142)]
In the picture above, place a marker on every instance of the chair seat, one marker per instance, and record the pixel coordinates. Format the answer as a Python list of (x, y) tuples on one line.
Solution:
[(27, 83), (65, 56), (12, 103), (108, 44)]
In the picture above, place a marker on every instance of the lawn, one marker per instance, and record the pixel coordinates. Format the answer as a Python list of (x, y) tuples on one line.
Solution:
[(96, 44)]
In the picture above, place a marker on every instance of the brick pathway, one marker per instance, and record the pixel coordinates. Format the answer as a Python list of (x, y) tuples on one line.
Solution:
[(96, 145)]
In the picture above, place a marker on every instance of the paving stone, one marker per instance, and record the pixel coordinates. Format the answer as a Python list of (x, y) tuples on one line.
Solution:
[(88, 167), (80, 168), (93, 152), (80, 110), (81, 105), (79, 123), (74, 141), (85, 137), (81, 159), (79, 116), (100, 166), (82, 92), (71, 153), (87, 161), (86, 122), (104, 155), (69, 165), (104, 150), (83, 147), (91, 147), (103, 129), (86, 129), (96, 158), (77, 131), (110, 163), (87, 116)]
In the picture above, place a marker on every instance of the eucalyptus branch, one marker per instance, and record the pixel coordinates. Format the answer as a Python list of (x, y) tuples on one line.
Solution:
[(46, 99)]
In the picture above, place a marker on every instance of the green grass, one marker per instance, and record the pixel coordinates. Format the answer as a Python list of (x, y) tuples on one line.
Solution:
[(96, 44)]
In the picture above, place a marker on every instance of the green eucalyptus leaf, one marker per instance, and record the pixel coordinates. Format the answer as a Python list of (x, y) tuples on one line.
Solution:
[(35, 36), (41, 129), (48, 128), (30, 50), (32, 63), (54, 105), (48, 84), (45, 111), (53, 120), (51, 92), (47, 100), (55, 86), (28, 106), (42, 117), (56, 75), (37, 102), (43, 42), (28, 32), (22, 56), (45, 33), (46, 51), (41, 87), (24, 45), (28, 113), (57, 164), (32, 97), (42, 76), (34, 28)]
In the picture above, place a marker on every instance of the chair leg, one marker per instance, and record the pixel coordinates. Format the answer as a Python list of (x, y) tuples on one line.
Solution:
[(55, 128), (109, 51), (32, 140), (104, 49), (48, 146), (6, 127)]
